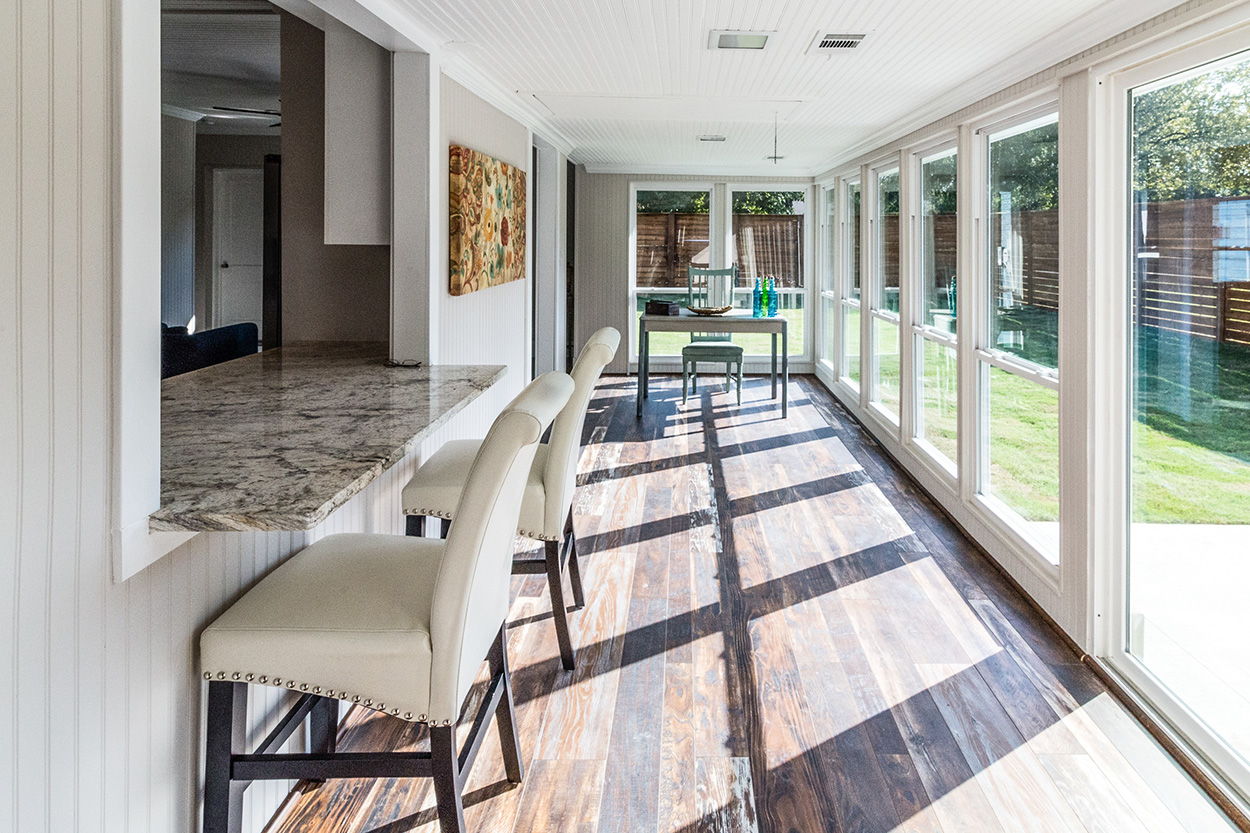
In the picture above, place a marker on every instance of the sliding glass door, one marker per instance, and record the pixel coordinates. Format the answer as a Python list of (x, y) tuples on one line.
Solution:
[(1188, 566)]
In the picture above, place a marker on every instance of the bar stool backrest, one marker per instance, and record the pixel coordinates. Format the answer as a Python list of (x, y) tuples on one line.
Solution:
[(565, 443), (471, 594)]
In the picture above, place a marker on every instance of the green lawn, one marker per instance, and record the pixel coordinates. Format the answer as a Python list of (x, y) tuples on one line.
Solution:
[(1191, 443)]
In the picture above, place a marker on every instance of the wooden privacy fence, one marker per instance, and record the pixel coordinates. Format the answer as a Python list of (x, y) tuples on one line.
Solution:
[(1176, 260), (766, 244)]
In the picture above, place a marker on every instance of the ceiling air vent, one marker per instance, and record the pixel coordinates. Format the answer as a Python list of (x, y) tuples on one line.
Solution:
[(737, 39), (827, 42)]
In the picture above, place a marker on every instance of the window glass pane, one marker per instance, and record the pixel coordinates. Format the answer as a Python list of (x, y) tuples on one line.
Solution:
[(1024, 242), (850, 343), (889, 373), (1189, 557), (831, 240), (938, 241), (768, 231), (1024, 452), (938, 389), (887, 241), (671, 234), (855, 198), (829, 312)]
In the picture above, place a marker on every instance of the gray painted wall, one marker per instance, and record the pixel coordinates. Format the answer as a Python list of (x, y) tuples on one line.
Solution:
[(177, 220), (329, 293), (218, 151)]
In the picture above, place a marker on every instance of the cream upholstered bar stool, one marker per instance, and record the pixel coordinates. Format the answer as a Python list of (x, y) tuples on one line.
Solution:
[(392, 623), (547, 508)]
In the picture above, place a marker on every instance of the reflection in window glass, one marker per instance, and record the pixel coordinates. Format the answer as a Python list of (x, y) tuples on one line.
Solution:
[(768, 243), (938, 241), (937, 392), (887, 241), (1190, 536), (1024, 241), (1024, 451), (855, 198), (672, 233), (831, 240), (889, 372)]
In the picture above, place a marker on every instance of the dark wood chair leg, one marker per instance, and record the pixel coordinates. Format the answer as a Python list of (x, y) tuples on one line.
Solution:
[(555, 585), (575, 570), (414, 525), (445, 768), (444, 528), (323, 726), (227, 731), (505, 715)]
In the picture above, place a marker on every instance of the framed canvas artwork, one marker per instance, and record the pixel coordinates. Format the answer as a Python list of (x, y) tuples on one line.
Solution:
[(487, 202)]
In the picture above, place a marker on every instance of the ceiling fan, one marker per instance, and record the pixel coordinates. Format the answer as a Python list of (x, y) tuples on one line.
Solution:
[(251, 113)]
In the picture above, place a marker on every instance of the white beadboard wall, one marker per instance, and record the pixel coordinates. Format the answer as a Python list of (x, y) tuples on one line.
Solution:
[(488, 326), (177, 220), (101, 705), (601, 267)]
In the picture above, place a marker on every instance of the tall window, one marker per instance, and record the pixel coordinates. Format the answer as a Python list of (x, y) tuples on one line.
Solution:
[(1189, 540), (828, 279), (768, 235), (934, 340), (885, 303), (850, 293), (672, 231), (1018, 355)]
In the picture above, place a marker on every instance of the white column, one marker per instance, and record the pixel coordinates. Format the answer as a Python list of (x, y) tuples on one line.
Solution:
[(418, 203)]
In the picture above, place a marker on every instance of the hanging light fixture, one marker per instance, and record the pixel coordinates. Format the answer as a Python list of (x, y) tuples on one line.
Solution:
[(775, 157)]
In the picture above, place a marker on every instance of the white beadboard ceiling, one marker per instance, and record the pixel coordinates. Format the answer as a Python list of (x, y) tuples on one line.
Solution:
[(631, 84)]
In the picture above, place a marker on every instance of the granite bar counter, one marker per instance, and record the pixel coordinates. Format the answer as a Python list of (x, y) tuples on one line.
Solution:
[(279, 440)]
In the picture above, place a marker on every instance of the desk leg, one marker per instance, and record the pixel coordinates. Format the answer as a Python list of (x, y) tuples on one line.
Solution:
[(785, 372), (774, 371), (646, 363)]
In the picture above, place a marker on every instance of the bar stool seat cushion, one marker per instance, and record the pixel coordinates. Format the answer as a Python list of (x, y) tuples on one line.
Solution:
[(435, 489), (348, 617)]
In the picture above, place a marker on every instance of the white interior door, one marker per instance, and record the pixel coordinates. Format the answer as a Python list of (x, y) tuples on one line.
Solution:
[(238, 246)]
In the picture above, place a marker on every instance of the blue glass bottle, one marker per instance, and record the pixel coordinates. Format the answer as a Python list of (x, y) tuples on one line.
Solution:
[(772, 298), (757, 301)]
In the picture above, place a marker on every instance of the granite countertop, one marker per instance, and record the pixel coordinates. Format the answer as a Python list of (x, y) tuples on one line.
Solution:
[(279, 440)]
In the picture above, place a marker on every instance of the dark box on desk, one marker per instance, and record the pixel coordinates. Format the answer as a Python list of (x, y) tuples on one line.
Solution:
[(663, 308)]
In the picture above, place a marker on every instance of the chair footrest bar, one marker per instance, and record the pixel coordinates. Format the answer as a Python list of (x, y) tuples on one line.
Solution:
[(322, 767), (529, 567)]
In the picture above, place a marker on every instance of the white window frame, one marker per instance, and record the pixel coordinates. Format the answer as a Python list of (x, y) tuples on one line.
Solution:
[(871, 289), (825, 287), (716, 253), (916, 332), (846, 233), (809, 272), (979, 355), (1198, 48)]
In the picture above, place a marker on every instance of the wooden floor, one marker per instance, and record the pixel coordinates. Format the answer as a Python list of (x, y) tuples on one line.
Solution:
[(781, 634)]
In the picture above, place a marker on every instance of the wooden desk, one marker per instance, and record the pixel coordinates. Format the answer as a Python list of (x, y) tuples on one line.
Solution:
[(738, 321)]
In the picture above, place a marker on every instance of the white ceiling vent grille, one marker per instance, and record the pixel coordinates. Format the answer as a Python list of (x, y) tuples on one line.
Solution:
[(827, 42)]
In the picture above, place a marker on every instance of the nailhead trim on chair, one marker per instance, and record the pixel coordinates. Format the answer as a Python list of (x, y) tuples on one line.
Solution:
[(264, 679), (538, 536), (429, 513)]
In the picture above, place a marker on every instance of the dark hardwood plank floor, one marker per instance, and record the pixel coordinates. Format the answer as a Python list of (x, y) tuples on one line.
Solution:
[(781, 634)]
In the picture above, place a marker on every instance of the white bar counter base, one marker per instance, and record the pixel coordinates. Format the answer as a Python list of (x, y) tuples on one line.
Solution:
[(279, 440)]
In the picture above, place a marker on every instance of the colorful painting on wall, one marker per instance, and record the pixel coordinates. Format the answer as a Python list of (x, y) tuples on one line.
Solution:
[(487, 201)]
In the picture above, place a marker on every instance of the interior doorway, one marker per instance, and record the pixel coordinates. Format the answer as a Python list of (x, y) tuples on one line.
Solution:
[(238, 247)]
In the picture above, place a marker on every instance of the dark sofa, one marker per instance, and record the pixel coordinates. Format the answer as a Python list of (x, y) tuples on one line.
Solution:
[(182, 352)]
